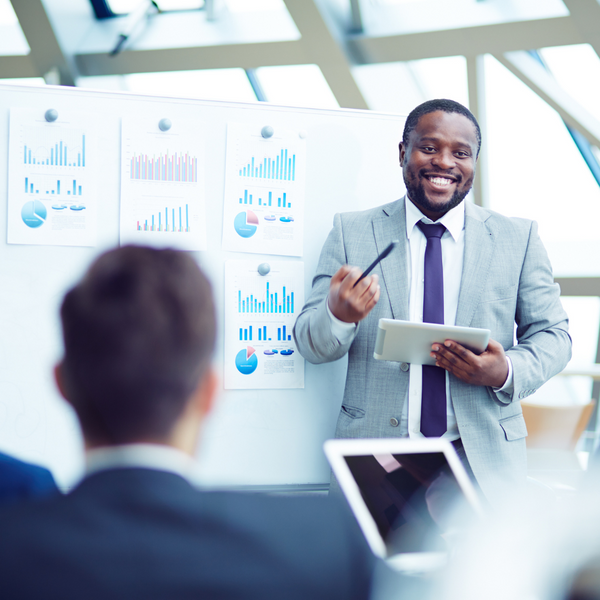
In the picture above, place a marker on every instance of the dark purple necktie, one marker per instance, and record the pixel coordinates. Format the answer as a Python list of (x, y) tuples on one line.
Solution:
[(433, 403)]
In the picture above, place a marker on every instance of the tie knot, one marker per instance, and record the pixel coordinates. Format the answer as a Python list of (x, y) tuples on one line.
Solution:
[(435, 230)]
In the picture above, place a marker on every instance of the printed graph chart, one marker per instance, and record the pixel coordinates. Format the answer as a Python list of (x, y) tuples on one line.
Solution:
[(174, 167), (52, 186), (265, 333), (270, 300), (162, 222), (281, 166), (59, 154), (266, 198)]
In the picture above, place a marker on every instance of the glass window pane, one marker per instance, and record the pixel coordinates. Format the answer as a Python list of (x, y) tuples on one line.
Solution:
[(121, 7), (577, 69), (209, 84), (298, 85), (399, 87), (12, 40), (537, 172)]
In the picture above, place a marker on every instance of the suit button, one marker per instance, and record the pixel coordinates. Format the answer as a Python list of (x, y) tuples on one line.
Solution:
[(404, 367), (394, 422)]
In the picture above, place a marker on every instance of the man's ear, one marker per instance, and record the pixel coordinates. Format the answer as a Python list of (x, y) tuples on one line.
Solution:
[(402, 151), (206, 392), (59, 378)]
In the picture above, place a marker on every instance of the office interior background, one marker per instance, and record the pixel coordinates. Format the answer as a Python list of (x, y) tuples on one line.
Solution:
[(528, 69)]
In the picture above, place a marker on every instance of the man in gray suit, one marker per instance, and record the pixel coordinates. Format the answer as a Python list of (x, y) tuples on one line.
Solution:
[(496, 274)]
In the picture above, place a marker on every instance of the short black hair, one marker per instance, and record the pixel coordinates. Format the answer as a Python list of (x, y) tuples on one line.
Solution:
[(445, 105), (139, 332)]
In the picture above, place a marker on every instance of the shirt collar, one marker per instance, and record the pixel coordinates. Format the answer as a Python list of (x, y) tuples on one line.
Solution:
[(453, 220), (149, 456)]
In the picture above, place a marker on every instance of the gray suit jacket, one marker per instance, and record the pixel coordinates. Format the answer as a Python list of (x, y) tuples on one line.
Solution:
[(507, 279)]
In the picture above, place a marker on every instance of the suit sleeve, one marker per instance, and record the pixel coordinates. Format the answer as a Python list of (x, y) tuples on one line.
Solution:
[(543, 343), (312, 331)]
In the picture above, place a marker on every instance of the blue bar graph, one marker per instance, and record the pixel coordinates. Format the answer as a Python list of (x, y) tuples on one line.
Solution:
[(281, 167), (263, 200), (61, 155), (51, 188), (268, 302)]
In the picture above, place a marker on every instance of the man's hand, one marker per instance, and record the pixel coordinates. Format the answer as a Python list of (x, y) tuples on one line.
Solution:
[(489, 368), (348, 303)]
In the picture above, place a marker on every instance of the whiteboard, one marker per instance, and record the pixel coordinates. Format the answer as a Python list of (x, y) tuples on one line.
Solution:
[(267, 438)]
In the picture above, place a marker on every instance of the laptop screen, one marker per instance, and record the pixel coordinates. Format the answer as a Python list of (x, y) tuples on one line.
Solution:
[(406, 494)]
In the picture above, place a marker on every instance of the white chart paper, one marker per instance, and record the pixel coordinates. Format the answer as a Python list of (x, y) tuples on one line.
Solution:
[(162, 185), (53, 169), (264, 191), (260, 311)]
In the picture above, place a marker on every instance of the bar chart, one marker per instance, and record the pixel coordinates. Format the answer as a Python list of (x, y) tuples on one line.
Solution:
[(172, 220), (265, 333), (172, 167), (265, 177), (52, 186), (281, 166), (268, 301), (260, 312), (266, 199), (60, 154)]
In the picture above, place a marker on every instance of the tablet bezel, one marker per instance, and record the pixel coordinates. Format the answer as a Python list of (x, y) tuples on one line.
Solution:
[(409, 342)]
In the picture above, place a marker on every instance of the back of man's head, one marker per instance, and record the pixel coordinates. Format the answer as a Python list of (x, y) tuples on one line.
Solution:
[(139, 331)]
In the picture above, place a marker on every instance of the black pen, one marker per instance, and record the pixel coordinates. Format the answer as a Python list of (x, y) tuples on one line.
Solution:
[(377, 261)]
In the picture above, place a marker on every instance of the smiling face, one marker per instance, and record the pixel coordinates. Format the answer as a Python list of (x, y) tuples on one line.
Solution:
[(438, 164)]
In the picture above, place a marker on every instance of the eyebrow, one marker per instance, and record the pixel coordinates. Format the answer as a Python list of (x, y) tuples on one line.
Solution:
[(430, 138)]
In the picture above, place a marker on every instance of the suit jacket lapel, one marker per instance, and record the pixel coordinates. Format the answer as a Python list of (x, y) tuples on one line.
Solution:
[(391, 225), (479, 250)]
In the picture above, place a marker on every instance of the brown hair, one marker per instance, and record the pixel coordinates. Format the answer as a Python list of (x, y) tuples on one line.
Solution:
[(139, 331)]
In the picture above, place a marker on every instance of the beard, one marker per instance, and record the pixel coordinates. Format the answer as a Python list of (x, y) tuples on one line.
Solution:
[(417, 195)]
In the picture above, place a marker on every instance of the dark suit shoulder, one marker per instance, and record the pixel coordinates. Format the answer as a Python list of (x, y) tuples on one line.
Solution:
[(20, 480)]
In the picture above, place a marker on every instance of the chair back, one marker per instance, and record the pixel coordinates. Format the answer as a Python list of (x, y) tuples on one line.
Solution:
[(556, 427)]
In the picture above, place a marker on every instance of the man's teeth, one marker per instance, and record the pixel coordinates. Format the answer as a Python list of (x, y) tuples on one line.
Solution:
[(440, 180)]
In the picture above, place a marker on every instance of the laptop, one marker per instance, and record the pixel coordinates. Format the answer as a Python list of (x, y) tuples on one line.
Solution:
[(409, 496)]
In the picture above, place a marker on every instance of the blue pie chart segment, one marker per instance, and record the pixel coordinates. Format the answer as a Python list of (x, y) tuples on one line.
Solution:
[(246, 361), (288, 352), (245, 224), (34, 214)]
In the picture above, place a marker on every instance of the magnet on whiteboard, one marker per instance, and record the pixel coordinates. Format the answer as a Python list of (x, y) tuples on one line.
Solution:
[(51, 115), (303, 134), (264, 268), (164, 124), (267, 131)]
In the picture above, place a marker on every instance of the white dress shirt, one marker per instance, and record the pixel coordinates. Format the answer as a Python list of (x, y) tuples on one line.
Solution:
[(147, 456), (453, 247)]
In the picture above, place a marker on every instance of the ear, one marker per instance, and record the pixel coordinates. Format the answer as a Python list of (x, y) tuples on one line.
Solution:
[(402, 150), (206, 392), (59, 379)]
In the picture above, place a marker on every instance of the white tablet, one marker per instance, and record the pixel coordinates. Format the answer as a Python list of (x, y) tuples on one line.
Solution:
[(405, 341)]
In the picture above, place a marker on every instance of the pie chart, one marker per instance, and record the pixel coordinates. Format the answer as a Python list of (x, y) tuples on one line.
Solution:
[(245, 224), (34, 214), (246, 361), (288, 352)]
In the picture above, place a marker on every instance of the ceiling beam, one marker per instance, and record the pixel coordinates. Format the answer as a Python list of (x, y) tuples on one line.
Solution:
[(467, 41), (535, 76), (45, 52), (244, 56), (585, 15), (14, 67), (324, 50)]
